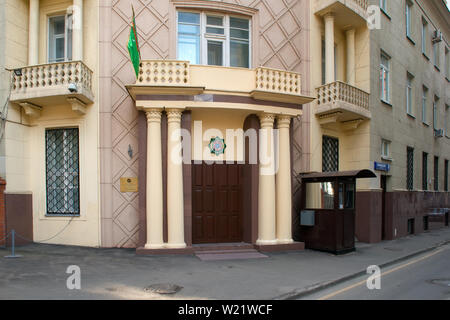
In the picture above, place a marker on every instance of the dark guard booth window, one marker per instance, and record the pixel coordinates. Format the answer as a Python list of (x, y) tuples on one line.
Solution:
[(62, 171)]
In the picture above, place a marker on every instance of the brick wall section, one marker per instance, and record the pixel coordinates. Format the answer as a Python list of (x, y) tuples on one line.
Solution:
[(2, 212)]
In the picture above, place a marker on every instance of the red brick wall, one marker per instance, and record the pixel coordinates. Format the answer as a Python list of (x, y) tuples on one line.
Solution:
[(2, 212)]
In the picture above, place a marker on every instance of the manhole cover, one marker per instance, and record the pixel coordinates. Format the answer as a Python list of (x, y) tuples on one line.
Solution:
[(441, 282), (163, 288)]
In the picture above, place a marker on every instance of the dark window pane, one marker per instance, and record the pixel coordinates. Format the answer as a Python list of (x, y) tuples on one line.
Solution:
[(239, 34), (189, 17), (215, 53), (239, 54), (215, 30), (239, 23), (214, 21)]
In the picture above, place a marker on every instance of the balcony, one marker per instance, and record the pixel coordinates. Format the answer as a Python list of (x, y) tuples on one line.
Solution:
[(339, 102), (345, 11), (46, 84), (181, 78)]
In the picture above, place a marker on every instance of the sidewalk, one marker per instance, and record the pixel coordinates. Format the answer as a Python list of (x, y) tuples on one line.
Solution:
[(121, 274)]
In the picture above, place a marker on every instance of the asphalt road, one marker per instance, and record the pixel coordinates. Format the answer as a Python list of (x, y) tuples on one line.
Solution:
[(424, 277)]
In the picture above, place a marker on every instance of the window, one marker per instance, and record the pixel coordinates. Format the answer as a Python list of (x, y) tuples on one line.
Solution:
[(409, 93), (62, 171), (330, 154), (383, 5), (408, 18), (447, 63), (425, 171), (213, 39), (424, 104), (385, 146), (425, 223), (385, 78), (410, 226), (60, 38), (446, 175), (436, 54), (436, 173), (346, 195), (409, 168), (447, 108), (424, 36), (435, 103)]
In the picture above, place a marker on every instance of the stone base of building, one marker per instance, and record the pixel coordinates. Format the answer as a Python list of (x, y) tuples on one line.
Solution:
[(144, 251), (294, 246), (404, 213)]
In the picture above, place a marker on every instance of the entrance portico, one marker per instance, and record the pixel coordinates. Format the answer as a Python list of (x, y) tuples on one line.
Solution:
[(195, 195)]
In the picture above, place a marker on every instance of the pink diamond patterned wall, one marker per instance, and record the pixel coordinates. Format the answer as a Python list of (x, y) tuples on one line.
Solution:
[(283, 43)]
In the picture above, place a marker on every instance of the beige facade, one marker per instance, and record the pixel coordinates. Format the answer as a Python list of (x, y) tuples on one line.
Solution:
[(392, 122), (40, 100), (299, 51)]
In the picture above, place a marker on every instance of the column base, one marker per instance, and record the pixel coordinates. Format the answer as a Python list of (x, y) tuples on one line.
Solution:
[(284, 241), (266, 242), (154, 246), (175, 245)]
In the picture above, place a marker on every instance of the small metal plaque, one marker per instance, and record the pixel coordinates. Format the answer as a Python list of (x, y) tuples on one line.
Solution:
[(128, 185)]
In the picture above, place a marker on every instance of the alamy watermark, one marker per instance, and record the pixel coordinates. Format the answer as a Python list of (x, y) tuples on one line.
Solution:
[(374, 280), (73, 282)]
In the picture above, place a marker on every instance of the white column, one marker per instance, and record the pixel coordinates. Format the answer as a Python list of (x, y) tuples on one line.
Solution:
[(266, 189), (154, 181), (283, 182), (175, 206), (33, 33), (77, 36), (329, 48), (350, 34)]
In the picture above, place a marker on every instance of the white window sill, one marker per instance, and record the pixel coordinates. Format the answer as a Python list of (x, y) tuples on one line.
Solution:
[(387, 158)]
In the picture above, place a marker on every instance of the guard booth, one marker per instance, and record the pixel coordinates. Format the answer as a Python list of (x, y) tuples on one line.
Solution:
[(327, 218)]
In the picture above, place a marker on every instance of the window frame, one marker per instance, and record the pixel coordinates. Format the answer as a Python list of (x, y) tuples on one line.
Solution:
[(408, 20), (46, 165), (425, 171), (226, 39), (409, 94), (385, 145), (67, 56), (409, 175), (424, 37), (425, 91), (385, 73), (436, 173)]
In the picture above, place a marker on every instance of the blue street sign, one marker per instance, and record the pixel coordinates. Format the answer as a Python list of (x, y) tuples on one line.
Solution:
[(382, 166)]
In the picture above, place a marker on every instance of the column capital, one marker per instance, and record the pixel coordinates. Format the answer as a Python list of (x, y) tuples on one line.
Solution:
[(267, 120), (350, 30), (174, 115), (283, 121), (153, 115), (329, 16)]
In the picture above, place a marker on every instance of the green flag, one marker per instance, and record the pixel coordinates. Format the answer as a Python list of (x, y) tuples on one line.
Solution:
[(133, 47)]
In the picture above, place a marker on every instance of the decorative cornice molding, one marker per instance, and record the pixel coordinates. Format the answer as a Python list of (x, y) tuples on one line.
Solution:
[(216, 5)]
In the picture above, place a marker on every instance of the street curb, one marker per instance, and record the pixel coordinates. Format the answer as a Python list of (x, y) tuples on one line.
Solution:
[(324, 285)]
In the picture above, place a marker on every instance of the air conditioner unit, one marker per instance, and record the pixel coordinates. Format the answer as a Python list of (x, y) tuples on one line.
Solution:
[(437, 36), (439, 133)]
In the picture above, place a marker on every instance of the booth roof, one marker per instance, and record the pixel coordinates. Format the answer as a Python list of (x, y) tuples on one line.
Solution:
[(328, 176)]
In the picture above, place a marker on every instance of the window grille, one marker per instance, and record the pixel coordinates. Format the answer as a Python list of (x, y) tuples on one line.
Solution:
[(330, 154), (410, 169), (62, 171)]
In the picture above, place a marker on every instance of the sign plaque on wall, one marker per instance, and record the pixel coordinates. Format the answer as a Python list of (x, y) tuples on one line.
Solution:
[(128, 185)]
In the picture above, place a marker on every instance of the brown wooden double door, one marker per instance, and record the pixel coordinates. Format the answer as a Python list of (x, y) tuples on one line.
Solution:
[(217, 203)]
